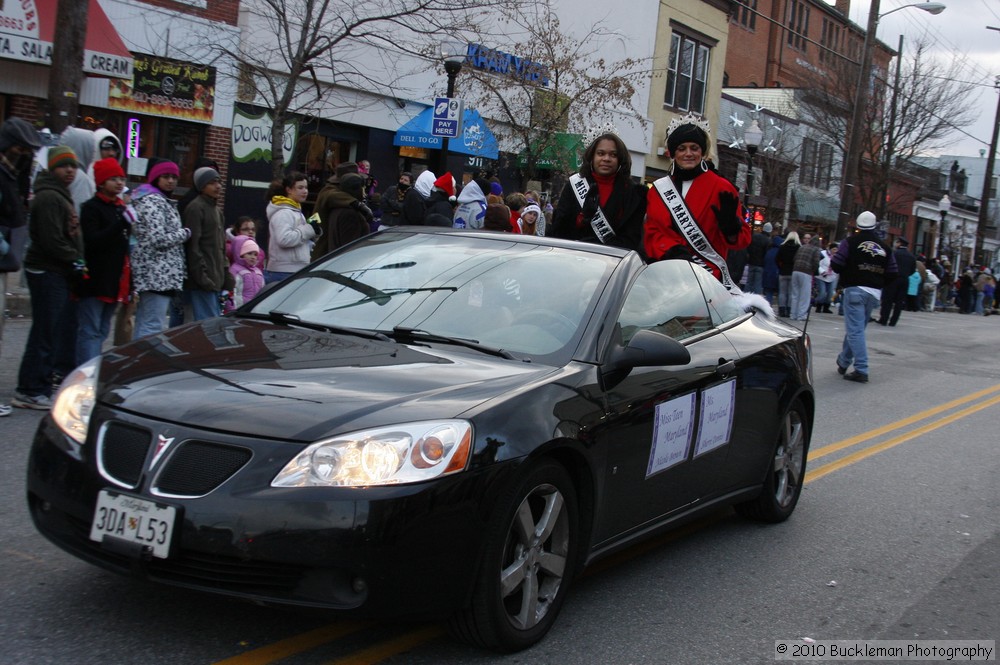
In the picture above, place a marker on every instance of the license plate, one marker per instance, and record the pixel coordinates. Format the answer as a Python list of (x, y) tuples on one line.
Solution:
[(134, 520)]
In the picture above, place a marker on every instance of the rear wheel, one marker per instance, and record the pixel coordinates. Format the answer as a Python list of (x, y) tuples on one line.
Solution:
[(783, 482), (530, 559)]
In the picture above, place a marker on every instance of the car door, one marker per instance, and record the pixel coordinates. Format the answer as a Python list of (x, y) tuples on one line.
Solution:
[(657, 438)]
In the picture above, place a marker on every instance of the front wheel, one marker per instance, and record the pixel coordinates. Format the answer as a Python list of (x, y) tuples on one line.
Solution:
[(530, 559), (783, 482)]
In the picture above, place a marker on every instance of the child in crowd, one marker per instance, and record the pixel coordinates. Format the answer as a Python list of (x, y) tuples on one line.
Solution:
[(248, 277)]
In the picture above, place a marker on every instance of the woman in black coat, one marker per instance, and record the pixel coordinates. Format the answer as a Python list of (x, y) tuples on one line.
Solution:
[(605, 185)]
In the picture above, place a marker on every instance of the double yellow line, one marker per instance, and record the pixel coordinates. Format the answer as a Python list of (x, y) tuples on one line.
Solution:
[(385, 649), (816, 473)]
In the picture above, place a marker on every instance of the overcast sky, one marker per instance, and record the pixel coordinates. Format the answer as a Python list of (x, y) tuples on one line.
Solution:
[(960, 30)]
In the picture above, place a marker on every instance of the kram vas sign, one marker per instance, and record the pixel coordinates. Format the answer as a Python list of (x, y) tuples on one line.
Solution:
[(166, 87)]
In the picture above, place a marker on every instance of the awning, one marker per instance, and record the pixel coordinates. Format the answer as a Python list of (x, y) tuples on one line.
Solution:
[(476, 139), (562, 152), (28, 27)]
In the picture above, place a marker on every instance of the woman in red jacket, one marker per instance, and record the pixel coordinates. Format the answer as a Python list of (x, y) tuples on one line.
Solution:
[(704, 220)]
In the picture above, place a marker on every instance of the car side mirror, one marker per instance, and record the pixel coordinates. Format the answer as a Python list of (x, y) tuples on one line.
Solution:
[(646, 349)]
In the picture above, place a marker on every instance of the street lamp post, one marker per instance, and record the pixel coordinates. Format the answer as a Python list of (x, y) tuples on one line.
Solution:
[(453, 53), (851, 170), (944, 206)]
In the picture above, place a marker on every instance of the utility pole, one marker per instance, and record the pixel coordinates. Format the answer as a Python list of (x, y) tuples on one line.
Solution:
[(852, 172), (984, 200), (66, 71)]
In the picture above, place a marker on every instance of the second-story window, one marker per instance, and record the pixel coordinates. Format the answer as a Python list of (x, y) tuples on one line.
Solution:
[(798, 25), (830, 39), (817, 164), (746, 14), (687, 73)]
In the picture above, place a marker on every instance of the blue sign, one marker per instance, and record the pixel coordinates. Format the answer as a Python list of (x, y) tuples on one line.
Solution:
[(447, 118)]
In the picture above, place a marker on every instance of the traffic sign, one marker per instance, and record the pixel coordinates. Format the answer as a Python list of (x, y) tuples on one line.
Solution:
[(447, 119)]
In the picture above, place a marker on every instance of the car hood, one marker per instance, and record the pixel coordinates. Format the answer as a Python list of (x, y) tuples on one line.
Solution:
[(239, 375)]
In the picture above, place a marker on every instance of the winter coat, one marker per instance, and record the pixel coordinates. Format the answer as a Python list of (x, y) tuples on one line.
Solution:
[(290, 240), (105, 247), (471, 208), (247, 280), (771, 282), (786, 257), (392, 206), (415, 201), (344, 223), (54, 228), (624, 208), (206, 248), (158, 262), (439, 211)]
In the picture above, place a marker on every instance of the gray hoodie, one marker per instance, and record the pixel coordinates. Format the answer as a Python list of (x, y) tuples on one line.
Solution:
[(83, 144)]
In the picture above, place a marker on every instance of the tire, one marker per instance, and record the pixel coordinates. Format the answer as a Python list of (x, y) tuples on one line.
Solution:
[(530, 558), (785, 473)]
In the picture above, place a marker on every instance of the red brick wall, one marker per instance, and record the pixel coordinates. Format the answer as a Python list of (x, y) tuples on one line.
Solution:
[(28, 108), (217, 143), (223, 11)]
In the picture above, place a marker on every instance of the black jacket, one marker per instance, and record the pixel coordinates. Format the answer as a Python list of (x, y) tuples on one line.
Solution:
[(625, 211), (105, 244), (864, 259)]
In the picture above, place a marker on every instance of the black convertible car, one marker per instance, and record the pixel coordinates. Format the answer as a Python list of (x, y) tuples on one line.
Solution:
[(428, 422)]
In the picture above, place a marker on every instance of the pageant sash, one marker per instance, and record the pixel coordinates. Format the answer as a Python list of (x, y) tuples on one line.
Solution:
[(705, 255), (600, 224)]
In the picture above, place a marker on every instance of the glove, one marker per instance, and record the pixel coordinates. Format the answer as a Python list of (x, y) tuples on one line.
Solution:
[(590, 205), (314, 222), (726, 213), (80, 268), (365, 211)]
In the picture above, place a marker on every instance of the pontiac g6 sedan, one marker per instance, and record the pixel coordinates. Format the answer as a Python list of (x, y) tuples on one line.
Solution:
[(428, 423)]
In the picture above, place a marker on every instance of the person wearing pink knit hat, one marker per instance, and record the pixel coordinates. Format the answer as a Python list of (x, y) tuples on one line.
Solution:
[(248, 278)]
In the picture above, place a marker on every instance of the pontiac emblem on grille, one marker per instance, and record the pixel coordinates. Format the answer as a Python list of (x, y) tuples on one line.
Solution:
[(162, 443)]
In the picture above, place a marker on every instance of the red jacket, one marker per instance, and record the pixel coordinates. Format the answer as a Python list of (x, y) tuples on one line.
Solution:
[(662, 234)]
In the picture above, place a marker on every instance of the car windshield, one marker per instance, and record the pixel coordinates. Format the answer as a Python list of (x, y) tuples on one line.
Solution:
[(495, 291)]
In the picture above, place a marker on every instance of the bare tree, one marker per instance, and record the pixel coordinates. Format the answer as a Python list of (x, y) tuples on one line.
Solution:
[(579, 88), (292, 50), (931, 101)]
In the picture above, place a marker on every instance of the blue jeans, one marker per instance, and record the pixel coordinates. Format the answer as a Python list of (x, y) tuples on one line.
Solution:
[(858, 307), (785, 291), (151, 313), (93, 317), (824, 292), (979, 303), (755, 279), (51, 346), (204, 304), (272, 276)]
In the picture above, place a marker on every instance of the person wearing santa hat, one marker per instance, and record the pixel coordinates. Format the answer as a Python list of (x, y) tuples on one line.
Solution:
[(441, 202), (105, 243)]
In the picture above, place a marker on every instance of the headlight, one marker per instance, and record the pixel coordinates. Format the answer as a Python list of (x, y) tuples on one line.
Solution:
[(75, 400), (406, 453)]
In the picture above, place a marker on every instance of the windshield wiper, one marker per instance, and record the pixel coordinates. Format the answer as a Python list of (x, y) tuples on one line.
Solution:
[(403, 334), (370, 292), (287, 319), (385, 296)]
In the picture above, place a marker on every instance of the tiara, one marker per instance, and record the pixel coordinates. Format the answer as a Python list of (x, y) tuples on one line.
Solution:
[(591, 134), (689, 119)]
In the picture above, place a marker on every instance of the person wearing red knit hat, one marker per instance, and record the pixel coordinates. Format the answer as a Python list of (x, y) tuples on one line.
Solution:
[(105, 242), (441, 202)]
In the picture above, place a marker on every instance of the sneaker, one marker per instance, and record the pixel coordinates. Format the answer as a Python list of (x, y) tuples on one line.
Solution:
[(5, 410), (857, 377), (37, 402)]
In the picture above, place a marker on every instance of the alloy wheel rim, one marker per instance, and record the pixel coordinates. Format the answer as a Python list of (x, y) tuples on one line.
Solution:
[(788, 459), (534, 558)]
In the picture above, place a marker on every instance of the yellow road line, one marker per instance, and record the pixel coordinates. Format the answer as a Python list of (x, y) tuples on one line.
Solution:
[(815, 474), (917, 417), (383, 650), (295, 645)]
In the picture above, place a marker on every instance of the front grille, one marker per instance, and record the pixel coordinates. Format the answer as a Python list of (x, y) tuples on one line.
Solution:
[(123, 452), (197, 467), (223, 573)]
